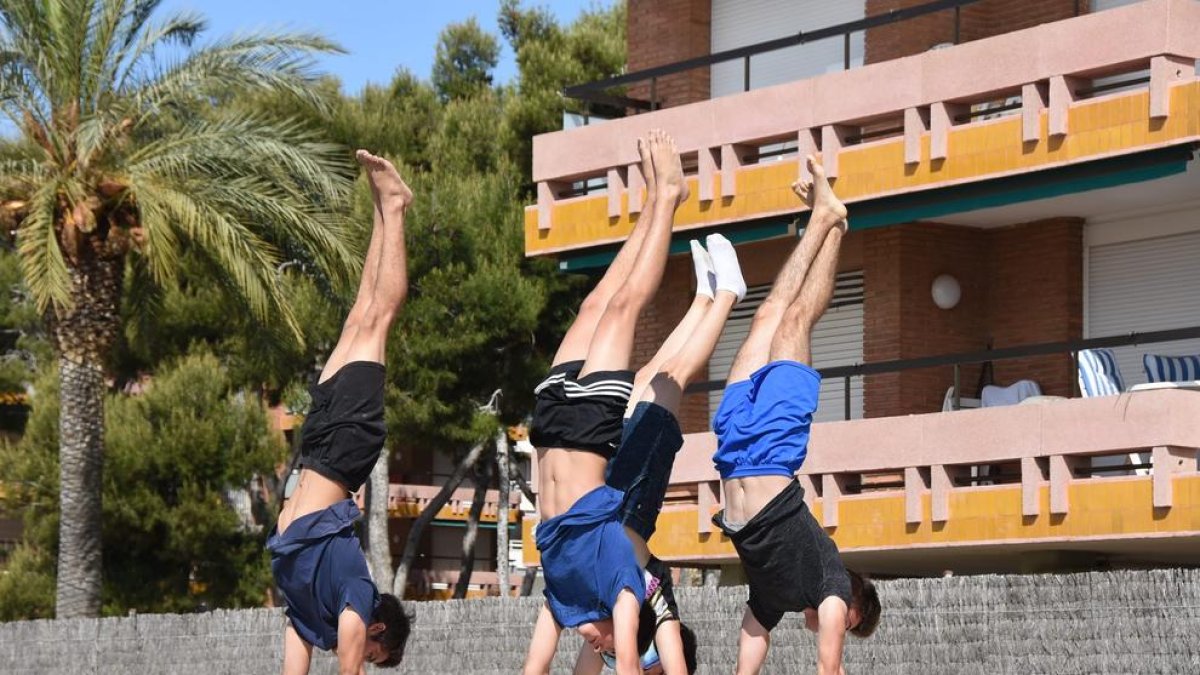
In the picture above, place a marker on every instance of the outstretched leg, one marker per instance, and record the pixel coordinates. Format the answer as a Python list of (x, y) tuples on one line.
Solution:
[(793, 339), (574, 345), (687, 351), (612, 342), (384, 284), (827, 213)]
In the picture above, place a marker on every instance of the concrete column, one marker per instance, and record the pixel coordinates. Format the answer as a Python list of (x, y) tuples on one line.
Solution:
[(1033, 102), (1169, 460), (1165, 70), (616, 189), (916, 125)]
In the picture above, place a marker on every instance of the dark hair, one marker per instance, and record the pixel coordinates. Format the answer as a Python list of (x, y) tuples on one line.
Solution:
[(866, 599), (395, 629), (689, 647)]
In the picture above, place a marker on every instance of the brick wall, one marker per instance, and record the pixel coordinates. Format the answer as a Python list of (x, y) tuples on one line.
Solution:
[(900, 264), (666, 31), (1036, 295), (1020, 285), (983, 19)]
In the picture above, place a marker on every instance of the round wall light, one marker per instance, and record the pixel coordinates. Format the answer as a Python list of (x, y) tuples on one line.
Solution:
[(946, 291)]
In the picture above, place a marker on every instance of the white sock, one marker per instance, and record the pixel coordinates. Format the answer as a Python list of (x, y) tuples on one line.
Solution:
[(725, 263), (706, 279)]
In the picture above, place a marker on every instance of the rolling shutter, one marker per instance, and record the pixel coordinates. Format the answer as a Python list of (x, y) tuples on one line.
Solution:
[(837, 341), (1140, 286), (738, 23)]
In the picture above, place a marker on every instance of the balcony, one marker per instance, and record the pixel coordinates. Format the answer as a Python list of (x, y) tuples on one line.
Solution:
[(407, 501), (1101, 99), (987, 490)]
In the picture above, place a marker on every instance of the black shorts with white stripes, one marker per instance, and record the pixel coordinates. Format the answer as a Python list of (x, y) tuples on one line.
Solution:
[(581, 413)]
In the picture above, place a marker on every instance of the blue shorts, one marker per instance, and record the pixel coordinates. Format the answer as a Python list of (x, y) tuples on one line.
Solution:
[(642, 466), (763, 423)]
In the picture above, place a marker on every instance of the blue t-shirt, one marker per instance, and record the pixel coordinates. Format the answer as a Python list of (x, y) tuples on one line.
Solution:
[(587, 559), (319, 566)]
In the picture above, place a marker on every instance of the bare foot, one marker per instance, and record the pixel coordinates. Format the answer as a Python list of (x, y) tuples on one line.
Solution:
[(386, 182), (819, 196), (643, 146), (671, 182)]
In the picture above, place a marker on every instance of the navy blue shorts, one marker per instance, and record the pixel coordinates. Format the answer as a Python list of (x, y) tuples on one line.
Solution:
[(642, 466), (763, 423)]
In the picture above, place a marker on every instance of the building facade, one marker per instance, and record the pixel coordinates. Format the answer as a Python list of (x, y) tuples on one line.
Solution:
[(1028, 164)]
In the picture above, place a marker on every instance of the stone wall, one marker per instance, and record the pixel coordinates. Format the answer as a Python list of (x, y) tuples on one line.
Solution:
[(1101, 622)]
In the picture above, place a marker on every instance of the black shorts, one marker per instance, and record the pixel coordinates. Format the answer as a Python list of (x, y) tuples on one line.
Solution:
[(344, 431), (580, 413), (642, 466)]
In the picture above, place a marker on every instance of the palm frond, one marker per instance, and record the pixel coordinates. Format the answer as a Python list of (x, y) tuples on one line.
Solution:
[(142, 39), (248, 260), (42, 262), (263, 62)]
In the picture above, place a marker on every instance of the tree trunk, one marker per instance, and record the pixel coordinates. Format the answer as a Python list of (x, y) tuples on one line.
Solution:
[(482, 476), (379, 547), (84, 335), (503, 483), (413, 542), (81, 461)]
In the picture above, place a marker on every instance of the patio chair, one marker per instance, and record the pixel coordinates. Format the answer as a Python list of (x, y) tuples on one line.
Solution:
[(1099, 374)]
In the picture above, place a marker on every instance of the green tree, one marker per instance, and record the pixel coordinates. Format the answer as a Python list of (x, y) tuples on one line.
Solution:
[(549, 58), (181, 458), (465, 58), (129, 167)]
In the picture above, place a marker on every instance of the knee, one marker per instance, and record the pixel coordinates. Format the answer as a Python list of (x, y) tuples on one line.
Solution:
[(594, 303), (625, 303), (797, 323), (769, 313)]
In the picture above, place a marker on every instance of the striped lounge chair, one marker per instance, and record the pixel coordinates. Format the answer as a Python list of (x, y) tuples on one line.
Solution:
[(1099, 374)]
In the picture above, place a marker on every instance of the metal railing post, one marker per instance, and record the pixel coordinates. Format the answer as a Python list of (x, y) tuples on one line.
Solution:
[(957, 382), (957, 24), (846, 396), (746, 74), (654, 93), (846, 50)]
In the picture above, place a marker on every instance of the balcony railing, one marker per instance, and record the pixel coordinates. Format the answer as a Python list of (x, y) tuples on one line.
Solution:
[(1042, 98), (1052, 444), (409, 500), (598, 92), (1070, 347)]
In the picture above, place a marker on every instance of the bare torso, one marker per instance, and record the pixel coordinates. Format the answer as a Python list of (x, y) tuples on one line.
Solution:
[(745, 497), (313, 493), (564, 476)]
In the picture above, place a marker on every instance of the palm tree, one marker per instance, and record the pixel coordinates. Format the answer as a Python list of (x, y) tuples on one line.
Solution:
[(133, 151)]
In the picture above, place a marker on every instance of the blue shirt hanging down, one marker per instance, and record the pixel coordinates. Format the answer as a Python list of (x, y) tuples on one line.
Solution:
[(320, 568), (587, 559)]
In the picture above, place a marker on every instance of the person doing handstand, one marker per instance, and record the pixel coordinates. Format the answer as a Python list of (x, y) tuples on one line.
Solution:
[(762, 428), (594, 570), (316, 558)]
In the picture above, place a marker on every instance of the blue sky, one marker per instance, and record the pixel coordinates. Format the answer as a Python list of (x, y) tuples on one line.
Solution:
[(380, 35)]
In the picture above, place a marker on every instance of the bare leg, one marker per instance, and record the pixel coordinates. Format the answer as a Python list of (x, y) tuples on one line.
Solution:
[(612, 343), (793, 340), (574, 345), (679, 337), (827, 213), (366, 286), (672, 377), (364, 334)]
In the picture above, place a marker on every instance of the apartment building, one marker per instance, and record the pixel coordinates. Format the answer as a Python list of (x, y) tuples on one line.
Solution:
[(1024, 217)]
